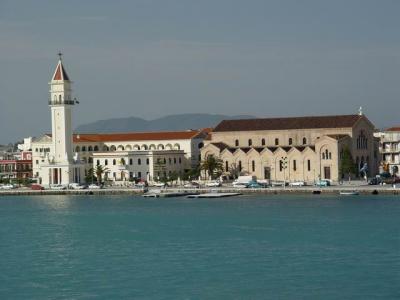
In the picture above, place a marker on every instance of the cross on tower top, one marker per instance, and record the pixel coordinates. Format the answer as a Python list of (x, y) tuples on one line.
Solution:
[(59, 54)]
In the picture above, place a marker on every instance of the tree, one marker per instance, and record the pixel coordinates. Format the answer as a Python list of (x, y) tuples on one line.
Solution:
[(212, 166), (90, 176), (347, 165), (234, 170), (99, 171)]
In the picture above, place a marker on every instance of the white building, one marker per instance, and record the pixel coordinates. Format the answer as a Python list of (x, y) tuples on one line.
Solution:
[(389, 148), (62, 157)]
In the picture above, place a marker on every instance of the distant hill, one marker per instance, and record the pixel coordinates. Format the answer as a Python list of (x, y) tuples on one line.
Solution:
[(172, 122)]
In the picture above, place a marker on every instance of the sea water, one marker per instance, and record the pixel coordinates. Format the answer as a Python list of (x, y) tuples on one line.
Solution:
[(249, 247)]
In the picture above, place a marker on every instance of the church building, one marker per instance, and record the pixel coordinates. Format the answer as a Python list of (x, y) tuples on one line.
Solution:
[(294, 149)]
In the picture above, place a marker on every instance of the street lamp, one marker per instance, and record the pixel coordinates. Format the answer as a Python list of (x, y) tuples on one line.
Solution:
[(284, 166)]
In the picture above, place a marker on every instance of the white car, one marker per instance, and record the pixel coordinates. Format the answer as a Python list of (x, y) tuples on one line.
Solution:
[(76, 186), (93, 186), (7, 187), (297, 183), (159, 184), (237, 184), (213, 184), (58, 187)]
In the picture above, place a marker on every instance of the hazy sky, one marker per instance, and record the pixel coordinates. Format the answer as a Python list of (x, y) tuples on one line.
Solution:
[(150, 58)]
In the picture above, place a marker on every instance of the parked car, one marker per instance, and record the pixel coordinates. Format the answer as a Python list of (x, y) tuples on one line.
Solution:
[(391, 180), (278, 183), (254, 185), (213, 183), (375, 181), (58, 187), (297, 183), (76, 186), (7, 187), (94, 186), (240, 184), (159, 184), (191, 185), (322, 182), (37, 187)]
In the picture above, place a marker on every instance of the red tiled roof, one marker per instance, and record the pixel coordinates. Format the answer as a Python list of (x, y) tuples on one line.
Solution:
[(288, 123), (60, 73), (136, 136), (397, 128)]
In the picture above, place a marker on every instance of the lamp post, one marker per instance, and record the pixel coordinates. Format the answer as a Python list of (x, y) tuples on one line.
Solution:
[(284, 166)]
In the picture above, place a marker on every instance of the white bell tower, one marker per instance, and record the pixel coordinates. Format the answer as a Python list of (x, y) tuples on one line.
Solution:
[(61, 104), (61, 167)]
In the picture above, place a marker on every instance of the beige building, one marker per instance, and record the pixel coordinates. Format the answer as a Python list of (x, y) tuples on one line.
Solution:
[(293, 149)]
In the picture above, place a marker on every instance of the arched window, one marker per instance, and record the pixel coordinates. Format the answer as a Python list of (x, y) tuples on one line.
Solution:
[(83, 149), (105, 148), (262, 142), (226, 166), (304, 141), (147, 161), (326, 154), (290, 141), (240, 165), (59, 98), (77, 149), (276, 142), (96, 148), (98, 162), (180, 160), (236, 143), (170, 160), (90, 148), (253, 166), (165, 160), (106, 162), (200, 145), (90, 160), (330, 155), (123, 161), (323, 155), (139, 161), (114, 162), (294, 165), (250, 142), (113, 148)]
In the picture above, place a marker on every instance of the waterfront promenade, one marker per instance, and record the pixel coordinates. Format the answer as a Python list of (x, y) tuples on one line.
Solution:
[(331, 190)]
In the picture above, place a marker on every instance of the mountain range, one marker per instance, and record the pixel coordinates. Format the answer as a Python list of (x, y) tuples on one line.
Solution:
[(167, 123)]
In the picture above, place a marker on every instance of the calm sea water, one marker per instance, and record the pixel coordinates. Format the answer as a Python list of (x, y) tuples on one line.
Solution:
[(255, 247)]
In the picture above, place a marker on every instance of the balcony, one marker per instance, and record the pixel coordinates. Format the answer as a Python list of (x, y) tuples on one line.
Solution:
[(390, 150), (62, 102)]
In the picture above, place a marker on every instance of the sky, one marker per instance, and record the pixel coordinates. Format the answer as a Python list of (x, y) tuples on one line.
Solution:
[(151, 58)]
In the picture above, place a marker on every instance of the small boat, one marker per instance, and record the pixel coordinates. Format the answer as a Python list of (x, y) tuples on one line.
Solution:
[(214, 195), (349, 193)]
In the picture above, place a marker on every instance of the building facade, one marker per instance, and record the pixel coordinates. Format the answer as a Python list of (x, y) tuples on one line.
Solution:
[(293, 149), (141, 155), (389, 148), (63, 157), (16, 165)]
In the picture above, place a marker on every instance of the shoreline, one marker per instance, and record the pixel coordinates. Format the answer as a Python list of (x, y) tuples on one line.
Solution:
[(311, 190)]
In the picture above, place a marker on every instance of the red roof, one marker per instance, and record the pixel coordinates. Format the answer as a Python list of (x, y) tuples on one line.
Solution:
[(60, 73), (137, 136), (397, 128), (288, 123)]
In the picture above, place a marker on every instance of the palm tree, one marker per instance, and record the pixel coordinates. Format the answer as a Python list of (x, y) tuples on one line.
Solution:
[(99, 171), (212, 166)]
